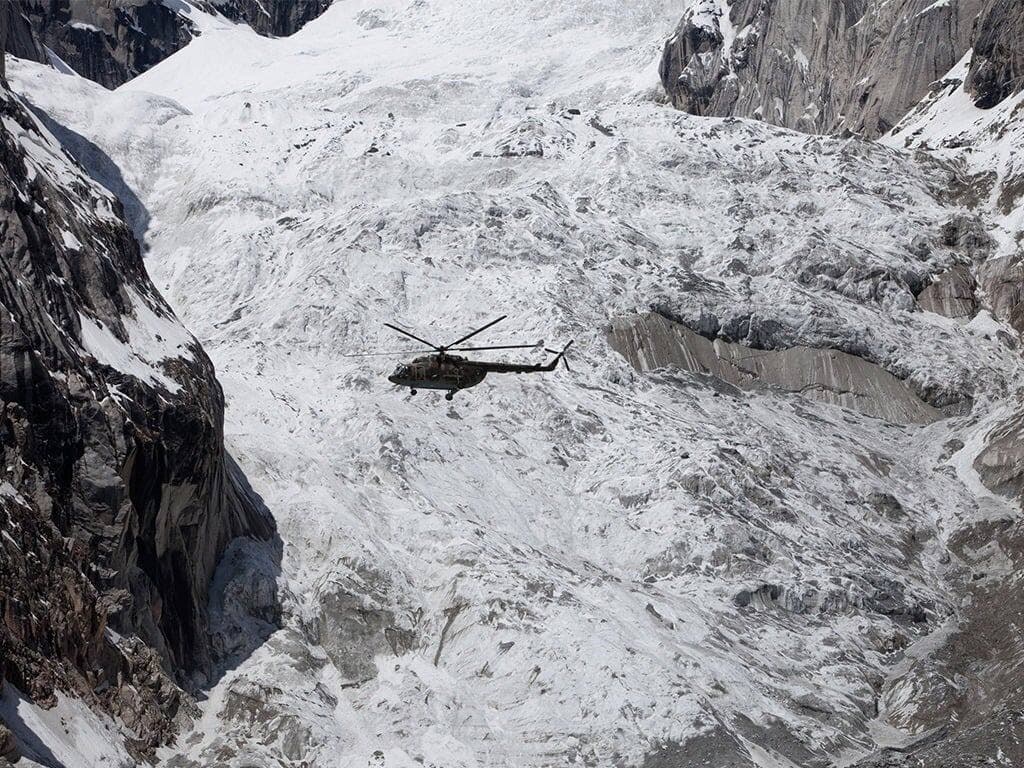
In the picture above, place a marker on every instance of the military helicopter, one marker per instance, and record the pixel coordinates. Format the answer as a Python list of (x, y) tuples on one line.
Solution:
[(446, 371)]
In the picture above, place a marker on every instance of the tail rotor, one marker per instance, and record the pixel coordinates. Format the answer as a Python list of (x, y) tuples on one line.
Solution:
[(561, 355)]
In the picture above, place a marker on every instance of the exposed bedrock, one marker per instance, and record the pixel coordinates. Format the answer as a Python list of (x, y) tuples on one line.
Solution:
[(276, 17), (820, 67), (358, 621), (1000, 463), (1003, 282), (651, 341), (117, 498), (952, 295), (997, 64), (112, 41), (109, 41), (18, 38)]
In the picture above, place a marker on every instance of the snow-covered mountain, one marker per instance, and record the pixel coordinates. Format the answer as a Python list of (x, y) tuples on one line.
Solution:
[(771, 517), (112, 41)]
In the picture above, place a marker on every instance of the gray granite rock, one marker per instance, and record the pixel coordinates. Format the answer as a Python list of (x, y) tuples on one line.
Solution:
[(112, 41), (997, 66), (109, 41), (275, 18), (952, 294), (820, 67), (651, 341)]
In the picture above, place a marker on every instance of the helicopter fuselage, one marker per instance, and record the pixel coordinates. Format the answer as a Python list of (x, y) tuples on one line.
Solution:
[(451, 373), (447, 372), (454, 372)]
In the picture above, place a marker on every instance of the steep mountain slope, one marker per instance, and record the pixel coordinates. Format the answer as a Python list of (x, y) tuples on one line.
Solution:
[(112, 41), (997, 61), (615, 567), (116, 499), (276, 17), (820, 67), (959, 122), (974, 116)]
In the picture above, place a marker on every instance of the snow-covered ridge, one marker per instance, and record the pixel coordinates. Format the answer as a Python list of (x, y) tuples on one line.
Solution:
[(987, 141), (153, 339)]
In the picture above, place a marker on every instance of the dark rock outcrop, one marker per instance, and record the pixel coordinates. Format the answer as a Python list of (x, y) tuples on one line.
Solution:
[(1002, 280), (117, 498), (999, 463), (277, 17), (109, 41), (19, 39), (819, 67), (112, 41), (997, 66)]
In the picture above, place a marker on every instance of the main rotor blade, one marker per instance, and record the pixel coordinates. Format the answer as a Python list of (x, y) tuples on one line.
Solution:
[(411, 336), (384, 354), (474, 333), (502, 346)]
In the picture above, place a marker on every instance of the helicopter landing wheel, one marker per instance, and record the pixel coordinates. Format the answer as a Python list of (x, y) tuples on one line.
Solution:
[(449, 395), (412, 391)]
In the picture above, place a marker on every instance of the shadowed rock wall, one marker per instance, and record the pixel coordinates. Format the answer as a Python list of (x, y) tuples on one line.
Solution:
[(997, 66), (112, 41), (117, 498)]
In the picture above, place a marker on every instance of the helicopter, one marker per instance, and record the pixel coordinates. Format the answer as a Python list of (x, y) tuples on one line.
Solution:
[(445, 371)]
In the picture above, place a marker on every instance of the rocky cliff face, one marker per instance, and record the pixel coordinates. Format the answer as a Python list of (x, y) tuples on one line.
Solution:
[(997, 66), (109, 41), (650, 341), (116, 498), (112, 41), (820, 67), (277, 18)]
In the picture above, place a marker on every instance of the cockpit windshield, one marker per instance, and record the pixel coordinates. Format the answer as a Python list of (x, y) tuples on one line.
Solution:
[(401, 370)]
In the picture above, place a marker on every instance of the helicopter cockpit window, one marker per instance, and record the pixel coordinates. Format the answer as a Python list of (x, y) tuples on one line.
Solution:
[(401, 370)]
